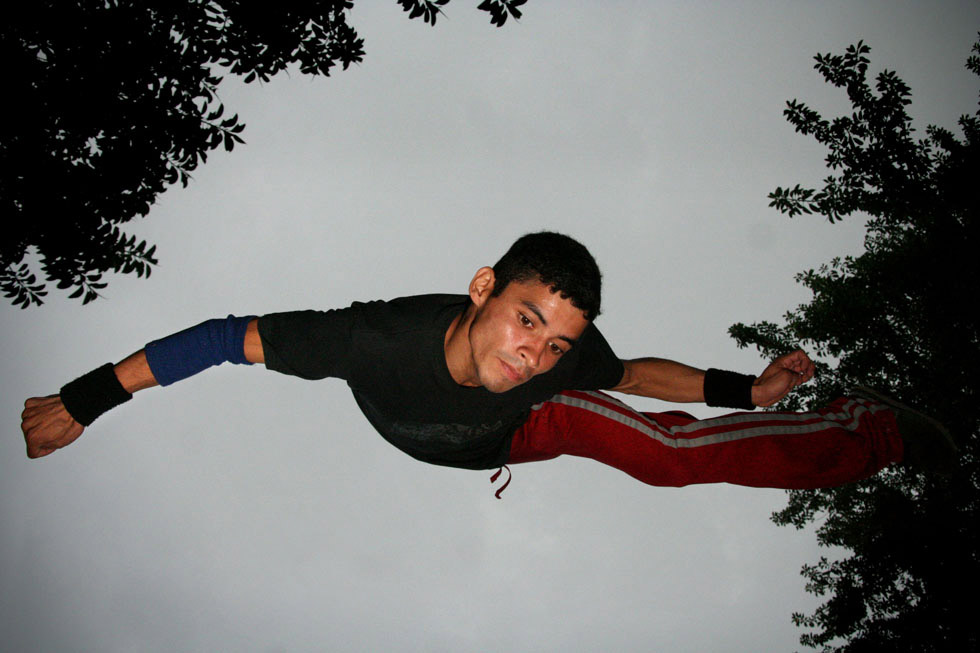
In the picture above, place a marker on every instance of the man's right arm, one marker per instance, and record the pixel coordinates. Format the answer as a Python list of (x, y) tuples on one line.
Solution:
[(49, 426)]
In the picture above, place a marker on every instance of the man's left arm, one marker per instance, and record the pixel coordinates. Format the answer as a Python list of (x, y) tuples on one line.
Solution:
[(675, 382)]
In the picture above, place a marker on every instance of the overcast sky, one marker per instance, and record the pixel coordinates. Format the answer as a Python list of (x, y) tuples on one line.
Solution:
[(244, 510)]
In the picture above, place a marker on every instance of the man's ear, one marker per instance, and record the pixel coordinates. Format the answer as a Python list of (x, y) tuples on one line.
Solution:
[(482, 286)]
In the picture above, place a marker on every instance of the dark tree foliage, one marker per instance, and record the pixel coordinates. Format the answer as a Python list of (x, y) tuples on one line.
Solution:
[(430, 9), (112, 101), (900, 317)]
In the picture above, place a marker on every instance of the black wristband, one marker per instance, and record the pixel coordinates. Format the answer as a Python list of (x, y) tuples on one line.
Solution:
[(728, 389), (92, 394)]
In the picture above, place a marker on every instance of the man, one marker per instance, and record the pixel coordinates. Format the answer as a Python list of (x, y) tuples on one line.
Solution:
[(512, 373)]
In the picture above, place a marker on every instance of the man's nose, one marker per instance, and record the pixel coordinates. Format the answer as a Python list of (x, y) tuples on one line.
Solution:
[(531, 353)]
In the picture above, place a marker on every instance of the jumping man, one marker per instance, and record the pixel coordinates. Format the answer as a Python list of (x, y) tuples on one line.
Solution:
[(514, 372)]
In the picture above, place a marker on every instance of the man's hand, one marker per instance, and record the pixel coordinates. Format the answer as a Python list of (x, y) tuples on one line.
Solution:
[(782, 375), (47, 426)]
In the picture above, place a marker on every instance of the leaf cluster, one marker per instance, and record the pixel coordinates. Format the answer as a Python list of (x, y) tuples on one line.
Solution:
[(114, 101), (429, 10), (898, 317), (500, 9)]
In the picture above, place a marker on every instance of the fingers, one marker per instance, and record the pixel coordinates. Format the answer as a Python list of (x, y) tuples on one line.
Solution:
[(34, 408), (40, 443), (781, 376), (798, 361), (776, 383), (38, 448), (36, 451), (35, 402), (47, 426)]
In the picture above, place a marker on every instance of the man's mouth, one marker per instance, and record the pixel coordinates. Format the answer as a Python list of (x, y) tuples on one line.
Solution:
[(512, 372)]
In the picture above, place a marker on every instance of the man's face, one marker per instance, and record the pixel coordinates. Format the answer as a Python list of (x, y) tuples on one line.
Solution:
[(521, 333)]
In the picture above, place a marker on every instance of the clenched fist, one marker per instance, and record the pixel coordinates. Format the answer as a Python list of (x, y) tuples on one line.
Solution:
[(782, 375), (47, 426)]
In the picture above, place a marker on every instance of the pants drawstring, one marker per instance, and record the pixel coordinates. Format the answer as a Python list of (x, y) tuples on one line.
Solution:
[(496, 475)]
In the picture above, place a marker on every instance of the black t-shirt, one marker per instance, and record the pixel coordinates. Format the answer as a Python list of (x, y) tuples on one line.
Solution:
[(391, 355)]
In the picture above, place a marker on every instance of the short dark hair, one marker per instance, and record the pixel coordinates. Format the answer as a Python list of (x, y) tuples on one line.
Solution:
[(556, 260)]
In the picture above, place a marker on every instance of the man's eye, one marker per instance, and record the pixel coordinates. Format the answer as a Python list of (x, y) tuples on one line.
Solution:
[(525, 320), (556, 350)]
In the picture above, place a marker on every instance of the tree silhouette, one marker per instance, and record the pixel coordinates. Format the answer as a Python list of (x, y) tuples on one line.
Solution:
[(112, 101), (899, 317)]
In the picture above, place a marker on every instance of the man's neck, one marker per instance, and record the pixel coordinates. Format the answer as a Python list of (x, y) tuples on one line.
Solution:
[(456, 347)]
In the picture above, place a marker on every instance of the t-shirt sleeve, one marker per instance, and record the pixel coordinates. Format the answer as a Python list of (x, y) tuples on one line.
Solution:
[(308, 344), (597, 367)]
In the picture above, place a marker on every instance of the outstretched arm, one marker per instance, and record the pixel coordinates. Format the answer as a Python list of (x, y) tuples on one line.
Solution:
[(664, 379), (48, 426), (676, 382)]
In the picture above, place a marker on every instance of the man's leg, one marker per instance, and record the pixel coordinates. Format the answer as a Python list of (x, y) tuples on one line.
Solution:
[(850, 439)]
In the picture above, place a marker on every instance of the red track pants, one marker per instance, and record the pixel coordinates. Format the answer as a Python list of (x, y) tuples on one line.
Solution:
[(846, 441)]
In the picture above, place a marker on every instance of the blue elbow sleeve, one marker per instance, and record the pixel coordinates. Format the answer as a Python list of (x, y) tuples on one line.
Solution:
[(193, 350)]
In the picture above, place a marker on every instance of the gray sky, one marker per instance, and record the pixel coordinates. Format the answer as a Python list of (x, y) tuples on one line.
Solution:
[(243, 510)]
